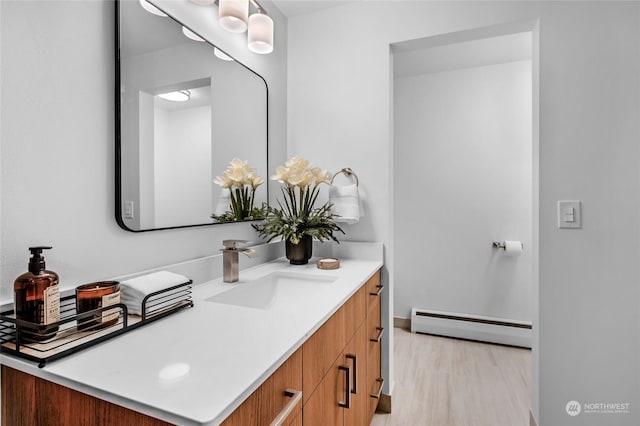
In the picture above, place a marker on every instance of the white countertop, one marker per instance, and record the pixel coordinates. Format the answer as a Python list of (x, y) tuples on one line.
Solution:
[(228, 350)]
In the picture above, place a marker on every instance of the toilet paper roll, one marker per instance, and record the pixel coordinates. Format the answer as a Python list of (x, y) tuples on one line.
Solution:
[(513, 248)]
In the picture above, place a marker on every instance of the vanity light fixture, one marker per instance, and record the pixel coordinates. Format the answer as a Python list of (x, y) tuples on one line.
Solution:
[(233, 16), (177, 96), (152, 9)]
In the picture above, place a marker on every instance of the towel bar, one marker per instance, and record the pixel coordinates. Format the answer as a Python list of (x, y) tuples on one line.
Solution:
[(348, 173)]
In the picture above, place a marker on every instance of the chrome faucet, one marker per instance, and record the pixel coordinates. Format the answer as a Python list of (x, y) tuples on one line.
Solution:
[(230, 259)]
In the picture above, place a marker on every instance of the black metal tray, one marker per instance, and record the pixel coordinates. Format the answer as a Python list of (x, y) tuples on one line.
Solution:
[(75, 332)]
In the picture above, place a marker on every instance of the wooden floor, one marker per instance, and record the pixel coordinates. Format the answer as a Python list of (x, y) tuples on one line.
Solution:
[(449, 382)]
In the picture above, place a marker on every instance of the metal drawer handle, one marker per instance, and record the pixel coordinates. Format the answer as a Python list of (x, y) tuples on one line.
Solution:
[(377, 394), (296, 396), (347, 402), (354, 388), (379, 336), (380, 287)]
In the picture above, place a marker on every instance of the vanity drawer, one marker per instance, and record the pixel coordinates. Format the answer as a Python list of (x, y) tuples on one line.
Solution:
[(374, 290), (277, 396), (355, 312), (374, 322)]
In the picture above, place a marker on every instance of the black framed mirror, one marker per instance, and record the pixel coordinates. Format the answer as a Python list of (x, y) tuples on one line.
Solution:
[(184, 110)]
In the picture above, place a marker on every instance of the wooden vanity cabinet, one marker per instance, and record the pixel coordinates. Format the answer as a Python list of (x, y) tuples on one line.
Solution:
[(334, 379), (346, 348), (60, 406)]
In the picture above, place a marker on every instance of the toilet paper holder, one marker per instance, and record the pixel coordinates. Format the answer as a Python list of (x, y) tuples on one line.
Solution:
[(501, 245)]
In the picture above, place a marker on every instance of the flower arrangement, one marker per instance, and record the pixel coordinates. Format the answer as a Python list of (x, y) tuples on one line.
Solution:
[(242, 181), (297, 216)]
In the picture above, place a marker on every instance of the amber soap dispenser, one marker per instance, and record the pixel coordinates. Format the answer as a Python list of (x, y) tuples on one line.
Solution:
[(37, 298)]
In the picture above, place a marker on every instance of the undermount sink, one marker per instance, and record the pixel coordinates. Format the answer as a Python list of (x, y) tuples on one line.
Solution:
[(275, 290)]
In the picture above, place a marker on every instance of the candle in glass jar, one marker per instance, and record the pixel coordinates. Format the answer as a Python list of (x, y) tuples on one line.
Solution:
[(98, 295)]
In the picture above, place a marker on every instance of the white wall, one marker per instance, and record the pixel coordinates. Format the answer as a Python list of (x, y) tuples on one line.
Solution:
[(462, 165), (140, 171), (57, 110), (339, 114), (238, 124), (183, 170)]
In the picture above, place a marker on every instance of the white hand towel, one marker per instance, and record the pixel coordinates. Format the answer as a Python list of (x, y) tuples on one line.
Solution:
[(134, 290), (346, 203)]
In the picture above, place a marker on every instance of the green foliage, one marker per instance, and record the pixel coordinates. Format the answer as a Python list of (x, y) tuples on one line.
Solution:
[(256, 213), (298, 217)]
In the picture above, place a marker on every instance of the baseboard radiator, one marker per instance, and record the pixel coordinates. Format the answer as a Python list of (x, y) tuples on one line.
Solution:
[(472, 327)]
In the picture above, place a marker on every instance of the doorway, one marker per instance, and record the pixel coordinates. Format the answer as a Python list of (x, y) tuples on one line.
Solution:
[(465, 176)]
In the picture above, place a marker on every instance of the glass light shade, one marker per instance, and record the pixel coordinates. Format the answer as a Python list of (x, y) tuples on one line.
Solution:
[(152, 9), (233, 15), (221, 55), (260, 37), (178, 96), (193, 36)]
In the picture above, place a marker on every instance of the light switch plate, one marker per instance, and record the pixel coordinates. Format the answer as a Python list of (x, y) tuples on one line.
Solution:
[(128, 209), (566, 220)]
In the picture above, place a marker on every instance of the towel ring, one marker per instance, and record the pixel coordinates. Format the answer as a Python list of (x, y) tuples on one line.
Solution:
[(348, 173)]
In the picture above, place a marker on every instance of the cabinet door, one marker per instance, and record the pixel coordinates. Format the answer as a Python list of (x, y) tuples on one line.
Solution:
[(320, 352), (355, 356), (323, 408), (273, 398)]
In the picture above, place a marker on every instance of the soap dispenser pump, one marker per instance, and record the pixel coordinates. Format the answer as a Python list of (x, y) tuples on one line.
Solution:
[(37, 297)]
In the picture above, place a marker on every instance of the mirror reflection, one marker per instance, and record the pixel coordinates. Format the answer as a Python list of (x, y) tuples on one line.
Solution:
[(184, 112)]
